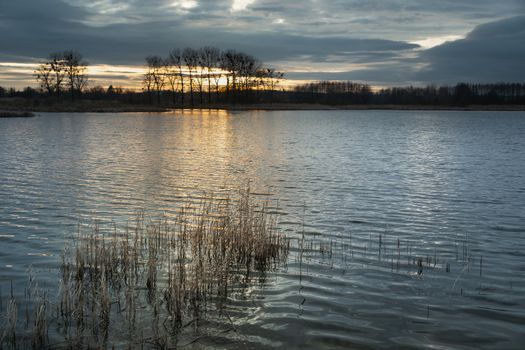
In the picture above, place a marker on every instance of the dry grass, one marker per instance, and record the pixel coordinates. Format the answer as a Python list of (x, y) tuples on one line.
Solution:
[(154, 278)]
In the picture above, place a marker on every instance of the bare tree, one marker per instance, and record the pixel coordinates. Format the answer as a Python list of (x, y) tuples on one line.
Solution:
[(80, 83), (172, 76), (274, 78), (247, 66), (66, 69), (155, 74), (45, 77), (210, 59), (56, 63), (228, 64), (199, 77), (217, 73), (191, 59), (75, 72), (147, 84), (176, 61)]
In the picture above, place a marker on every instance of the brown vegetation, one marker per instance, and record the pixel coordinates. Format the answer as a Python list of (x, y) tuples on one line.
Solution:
[(15, 114), (147, 284)]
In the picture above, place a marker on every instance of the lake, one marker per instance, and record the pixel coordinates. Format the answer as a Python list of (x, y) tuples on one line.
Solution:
[(416, 219)]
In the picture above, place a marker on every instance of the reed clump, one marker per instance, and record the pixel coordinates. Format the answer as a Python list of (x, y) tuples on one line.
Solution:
[(148, 284), (159, 276)]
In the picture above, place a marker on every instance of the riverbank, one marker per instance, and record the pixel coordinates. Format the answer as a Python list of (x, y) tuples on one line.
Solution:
[(18, 105), (16, 114), (292, 106), (21, 107)]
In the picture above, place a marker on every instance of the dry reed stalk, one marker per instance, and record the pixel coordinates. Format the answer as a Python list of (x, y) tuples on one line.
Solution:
[(171, 273)]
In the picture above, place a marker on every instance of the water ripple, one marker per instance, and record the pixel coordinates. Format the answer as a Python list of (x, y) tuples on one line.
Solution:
[(413, 221)]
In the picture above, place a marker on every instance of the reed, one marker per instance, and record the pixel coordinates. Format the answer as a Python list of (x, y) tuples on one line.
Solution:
[(156, 276)]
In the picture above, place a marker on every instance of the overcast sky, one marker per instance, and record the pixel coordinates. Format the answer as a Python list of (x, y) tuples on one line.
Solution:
[(394, 42)]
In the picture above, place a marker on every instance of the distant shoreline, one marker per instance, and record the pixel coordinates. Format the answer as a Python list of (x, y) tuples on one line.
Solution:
[(16, 114), (9, 111), (376, 107)]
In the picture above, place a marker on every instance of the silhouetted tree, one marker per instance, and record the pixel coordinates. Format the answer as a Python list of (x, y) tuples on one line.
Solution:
[(155, 75), (217, 74), (224, 66), (56, 63), (247, 66), (147, 84), (333, 92), (191, 59), (98, 92), (29, 92), (269, 79), (462, 93), (65, 69), (175, 61), (75, 70), (45, 77), (210, 58), (172, 77)]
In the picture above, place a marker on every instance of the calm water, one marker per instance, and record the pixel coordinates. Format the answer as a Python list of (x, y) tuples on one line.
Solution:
[(448, 186)]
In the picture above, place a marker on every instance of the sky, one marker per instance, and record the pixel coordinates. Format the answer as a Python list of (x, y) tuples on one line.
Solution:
[(380, 42)]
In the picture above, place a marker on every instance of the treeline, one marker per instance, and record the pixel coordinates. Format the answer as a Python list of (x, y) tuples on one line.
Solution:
[(328, 93), (333, 93), (348, 93), (209, 74), (184, 77)]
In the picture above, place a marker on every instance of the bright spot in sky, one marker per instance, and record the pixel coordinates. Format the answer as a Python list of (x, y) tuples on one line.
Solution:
[(185, 4), (436, 41), (239, 5)]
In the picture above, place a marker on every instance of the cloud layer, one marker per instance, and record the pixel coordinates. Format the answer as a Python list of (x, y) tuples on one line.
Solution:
[(370, 40)]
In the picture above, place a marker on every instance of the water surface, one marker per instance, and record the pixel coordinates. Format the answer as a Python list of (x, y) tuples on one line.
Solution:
[(373, 190)]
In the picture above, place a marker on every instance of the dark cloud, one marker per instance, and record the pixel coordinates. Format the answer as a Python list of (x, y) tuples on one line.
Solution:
[(393, 19), (130, 42), (491, 52), (48, 12)]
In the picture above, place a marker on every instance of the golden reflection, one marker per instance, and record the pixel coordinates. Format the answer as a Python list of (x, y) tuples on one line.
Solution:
[(195, 153), (188, 154)]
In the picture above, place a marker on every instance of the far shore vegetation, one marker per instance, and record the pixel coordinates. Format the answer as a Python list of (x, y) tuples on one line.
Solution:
[(16, 114), (211, 78)]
